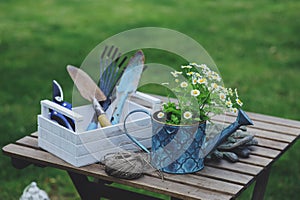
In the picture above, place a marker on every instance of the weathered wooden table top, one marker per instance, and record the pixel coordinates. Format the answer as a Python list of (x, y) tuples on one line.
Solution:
[(218, 180)]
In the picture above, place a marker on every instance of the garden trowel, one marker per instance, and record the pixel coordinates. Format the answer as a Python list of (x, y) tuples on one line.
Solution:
[(90, 91), (128, 83)]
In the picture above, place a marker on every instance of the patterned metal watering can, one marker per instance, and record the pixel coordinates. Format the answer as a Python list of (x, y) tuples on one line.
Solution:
[(181, 149)]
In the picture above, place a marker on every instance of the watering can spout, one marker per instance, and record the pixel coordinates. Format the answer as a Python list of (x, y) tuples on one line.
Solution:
[(241, 120)]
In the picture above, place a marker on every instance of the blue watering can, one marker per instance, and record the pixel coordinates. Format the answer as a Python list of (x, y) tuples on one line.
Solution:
[(181, 149)]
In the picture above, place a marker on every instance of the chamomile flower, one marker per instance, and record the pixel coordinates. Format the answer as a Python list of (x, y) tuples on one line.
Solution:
[(194, 64), (230, 92), (236, 92), (206, 85), (186, 66), (160, 115), (203, 66), (198, 75), (176, 73), (222, 88), (222, 96), (195, 92), (226, 91), (194, 81), (216, 77), (202, 81), (214, 86), (208, 74), (234, 110), (238, 101), (190, 73), (228, 104), (183, 84), (187, 115)]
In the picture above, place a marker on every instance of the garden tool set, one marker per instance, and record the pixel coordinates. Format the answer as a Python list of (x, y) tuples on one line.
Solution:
[(112, 69)]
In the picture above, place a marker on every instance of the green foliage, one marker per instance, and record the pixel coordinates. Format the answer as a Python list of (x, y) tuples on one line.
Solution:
[(200, 94)]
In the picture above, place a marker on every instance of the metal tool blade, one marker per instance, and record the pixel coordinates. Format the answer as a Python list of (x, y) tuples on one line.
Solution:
[(90, 91), (132, 74), (85, 84), (128, 83)]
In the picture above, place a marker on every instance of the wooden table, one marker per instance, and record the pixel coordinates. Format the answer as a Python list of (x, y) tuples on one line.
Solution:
[(218, 180)]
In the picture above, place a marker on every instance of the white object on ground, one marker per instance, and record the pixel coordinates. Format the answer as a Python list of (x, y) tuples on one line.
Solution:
[(32, 192)]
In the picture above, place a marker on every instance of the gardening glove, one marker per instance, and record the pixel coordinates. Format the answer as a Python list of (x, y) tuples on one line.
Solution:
[(237, 145)]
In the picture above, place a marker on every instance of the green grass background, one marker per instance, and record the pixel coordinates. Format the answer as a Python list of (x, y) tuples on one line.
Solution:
[(255, 44)]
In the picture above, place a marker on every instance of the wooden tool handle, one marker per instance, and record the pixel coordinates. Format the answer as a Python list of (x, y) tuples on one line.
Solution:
[(103, 120)]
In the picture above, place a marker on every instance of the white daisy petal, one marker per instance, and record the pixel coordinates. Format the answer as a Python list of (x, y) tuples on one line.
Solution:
[(160, 115), (222, 96), (238, 101), (187, 115), (183, 84), (195, 93)]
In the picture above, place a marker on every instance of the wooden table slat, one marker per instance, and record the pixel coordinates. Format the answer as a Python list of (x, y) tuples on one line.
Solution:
[(239, 167), (277, 128), (35, 134), (28, 141), (273, 119), (146, 182), (292, 131), (179, 190), (171, 188), (271, 135), (230, 188), (271, 144), (264, 152), (256, 160), (206, 183), (224, 175)]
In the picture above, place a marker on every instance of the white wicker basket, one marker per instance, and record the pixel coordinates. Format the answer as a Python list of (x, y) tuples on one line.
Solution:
[(82, 147)]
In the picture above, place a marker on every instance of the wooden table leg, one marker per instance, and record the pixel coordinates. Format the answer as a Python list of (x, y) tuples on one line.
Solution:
[(84, 187), (94, 190), (19, 164), (261, 184)]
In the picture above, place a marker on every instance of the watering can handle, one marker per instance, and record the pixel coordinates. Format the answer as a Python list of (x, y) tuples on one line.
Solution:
[(128, 135)]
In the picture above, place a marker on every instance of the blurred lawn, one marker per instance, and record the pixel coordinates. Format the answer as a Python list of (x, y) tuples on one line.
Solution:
[(255, 45)]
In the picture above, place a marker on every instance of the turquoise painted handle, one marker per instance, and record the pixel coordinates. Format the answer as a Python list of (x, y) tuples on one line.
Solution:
[(92, 126), (132, 138)]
